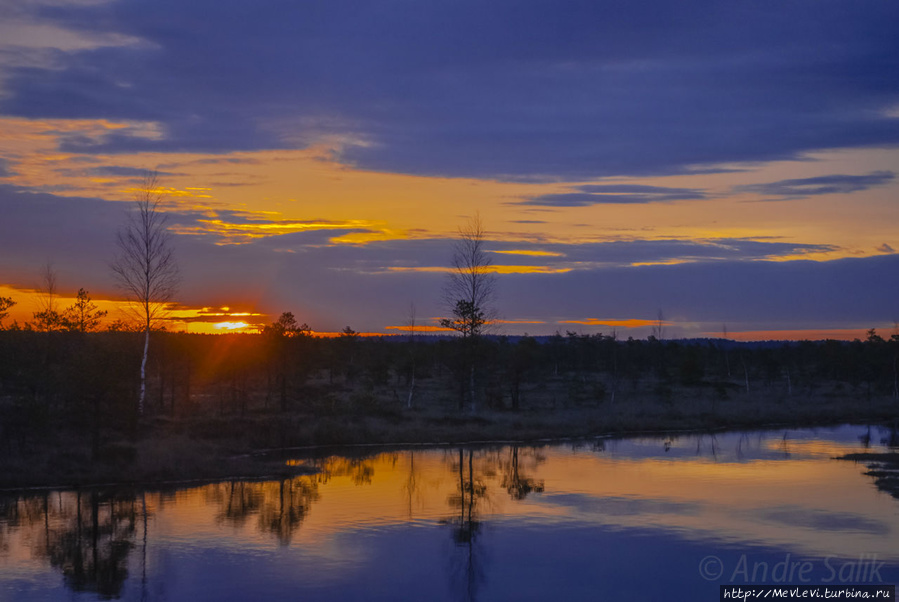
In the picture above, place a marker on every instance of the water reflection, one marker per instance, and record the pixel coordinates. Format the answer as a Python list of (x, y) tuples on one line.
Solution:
[(279, 506), (491, 519), (86, 536), (515, 481), (466, 567)]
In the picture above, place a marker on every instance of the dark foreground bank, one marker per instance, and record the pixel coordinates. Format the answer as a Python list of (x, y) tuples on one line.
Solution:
[(210, 447)]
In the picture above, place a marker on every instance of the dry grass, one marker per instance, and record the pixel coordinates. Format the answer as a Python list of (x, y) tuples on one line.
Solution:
[(208, 445)]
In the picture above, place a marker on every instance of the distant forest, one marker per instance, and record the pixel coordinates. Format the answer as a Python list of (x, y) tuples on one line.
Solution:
[(88, 382)]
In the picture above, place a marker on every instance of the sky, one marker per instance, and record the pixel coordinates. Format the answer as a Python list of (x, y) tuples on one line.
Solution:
[(729, 166)]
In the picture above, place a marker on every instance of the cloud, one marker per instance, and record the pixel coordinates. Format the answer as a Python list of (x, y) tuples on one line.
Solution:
[(585, 256), (510, 89), (852, 292), (885, 248), (120, 170), (76, 234), (834, 184), (722, 280), (596, 194)]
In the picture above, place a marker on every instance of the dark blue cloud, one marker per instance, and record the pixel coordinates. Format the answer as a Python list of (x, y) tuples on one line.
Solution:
[(76, 234), (844, 293), (835, 184), (596, 194), (508, 89)]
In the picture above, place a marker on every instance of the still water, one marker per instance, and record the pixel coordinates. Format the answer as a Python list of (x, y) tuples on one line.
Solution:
[(649, 518)]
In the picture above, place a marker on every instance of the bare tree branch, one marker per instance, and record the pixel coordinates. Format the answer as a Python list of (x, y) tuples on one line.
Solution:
[(470, 287), (145, 268), (468, 295)]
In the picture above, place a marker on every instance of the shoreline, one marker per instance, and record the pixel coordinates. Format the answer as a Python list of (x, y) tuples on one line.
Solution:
[(171, 457)]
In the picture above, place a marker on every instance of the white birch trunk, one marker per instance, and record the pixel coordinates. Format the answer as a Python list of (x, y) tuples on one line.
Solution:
[(143, 374)]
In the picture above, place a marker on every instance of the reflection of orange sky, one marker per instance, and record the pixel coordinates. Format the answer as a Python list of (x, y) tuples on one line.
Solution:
[(741, 502), (726, 500)]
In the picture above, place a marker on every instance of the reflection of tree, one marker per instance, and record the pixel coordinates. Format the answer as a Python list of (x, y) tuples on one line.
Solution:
[(239, 500), (283, 514), (865, 439), (360, 470), (91, 541), (467, 572), (713, 446), (411, 484), (280, 506), (514, 481)]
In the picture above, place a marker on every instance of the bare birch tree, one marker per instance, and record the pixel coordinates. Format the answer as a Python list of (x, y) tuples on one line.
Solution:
[(47, 318), (145, 267), (470, 288), (469, 292)]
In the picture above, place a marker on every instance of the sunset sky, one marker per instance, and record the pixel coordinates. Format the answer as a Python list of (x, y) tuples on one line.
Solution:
[(732, 164)]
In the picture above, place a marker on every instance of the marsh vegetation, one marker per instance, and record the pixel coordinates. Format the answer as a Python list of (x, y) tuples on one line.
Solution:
[(69, 412)]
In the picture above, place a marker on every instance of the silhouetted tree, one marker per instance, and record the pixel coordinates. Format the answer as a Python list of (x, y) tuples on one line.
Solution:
[(469, 292), (346, 356), (658, 329), (145, 268), (83, 315), (47, 318), (6, 304), (279, 335), (470, 288), (410, 325)]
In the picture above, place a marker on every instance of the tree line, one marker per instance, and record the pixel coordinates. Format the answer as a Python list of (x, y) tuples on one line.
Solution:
[(86, 381)]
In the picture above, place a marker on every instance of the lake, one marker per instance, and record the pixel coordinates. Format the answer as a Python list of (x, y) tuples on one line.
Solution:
[(643, 518)]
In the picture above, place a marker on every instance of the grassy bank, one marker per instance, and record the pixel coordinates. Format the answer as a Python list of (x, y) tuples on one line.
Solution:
[(205, 446), (68, 407)]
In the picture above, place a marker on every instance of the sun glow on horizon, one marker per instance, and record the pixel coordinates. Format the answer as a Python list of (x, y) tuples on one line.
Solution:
[(231, 325)]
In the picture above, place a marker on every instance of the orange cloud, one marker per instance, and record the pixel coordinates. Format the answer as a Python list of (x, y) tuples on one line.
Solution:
[(530, 253), (676, 261), (627, 323), (262, 226)]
